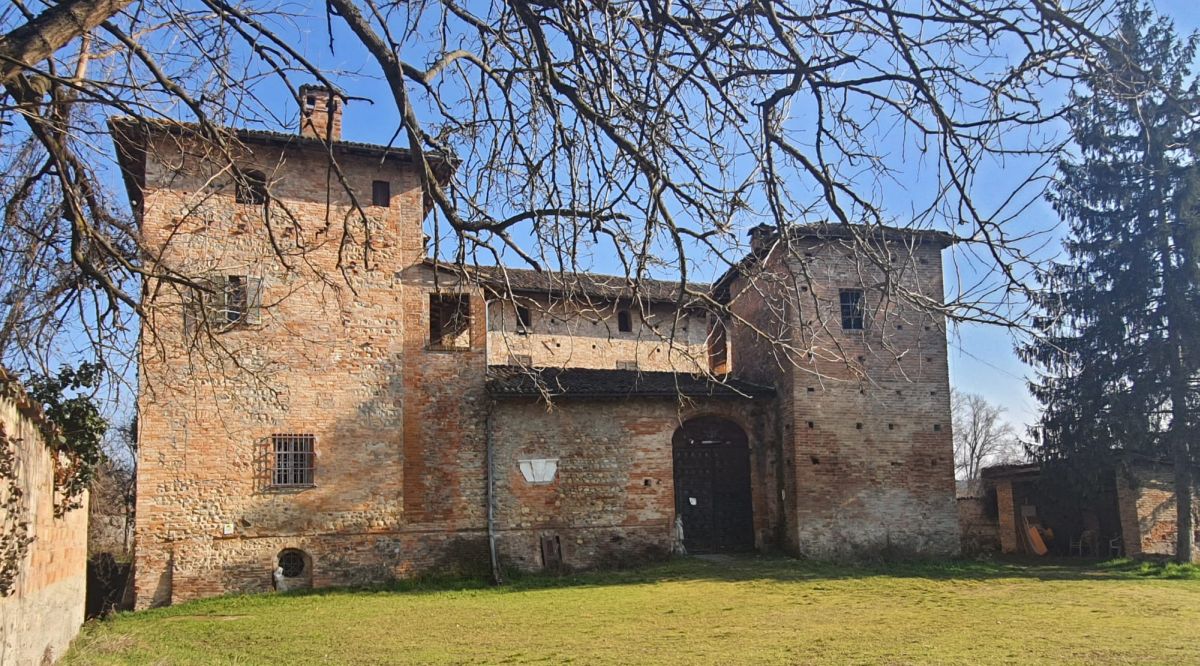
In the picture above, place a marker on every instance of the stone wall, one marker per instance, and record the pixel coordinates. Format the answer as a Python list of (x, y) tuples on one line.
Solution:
[(1146, 501), (612, 500), (43, 613), (869, 461)]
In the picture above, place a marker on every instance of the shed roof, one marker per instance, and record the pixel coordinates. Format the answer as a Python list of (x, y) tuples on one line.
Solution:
[(513, 381)]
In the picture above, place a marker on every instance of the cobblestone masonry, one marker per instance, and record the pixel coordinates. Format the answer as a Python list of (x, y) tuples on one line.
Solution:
[(400, 426), (44, 612)]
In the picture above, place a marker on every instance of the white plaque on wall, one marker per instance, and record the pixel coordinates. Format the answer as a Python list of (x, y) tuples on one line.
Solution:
[(538, 471)]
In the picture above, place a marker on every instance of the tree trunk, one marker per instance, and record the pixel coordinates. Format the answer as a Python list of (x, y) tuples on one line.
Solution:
[(51, 30), (1175, 285)]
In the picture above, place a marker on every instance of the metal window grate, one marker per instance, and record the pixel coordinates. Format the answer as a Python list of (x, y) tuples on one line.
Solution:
[(294, 460), (291, 561)]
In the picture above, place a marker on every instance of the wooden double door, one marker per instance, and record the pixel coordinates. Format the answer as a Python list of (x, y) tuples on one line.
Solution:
[(712, 486)]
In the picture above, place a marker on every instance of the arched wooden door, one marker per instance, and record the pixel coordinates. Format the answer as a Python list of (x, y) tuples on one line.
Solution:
[(712, 485)]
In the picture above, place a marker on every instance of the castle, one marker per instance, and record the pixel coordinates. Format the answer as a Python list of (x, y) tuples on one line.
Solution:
[(317, 416)]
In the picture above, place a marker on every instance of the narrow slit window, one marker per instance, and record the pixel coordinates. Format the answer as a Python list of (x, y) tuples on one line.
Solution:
[(852, 309), (294, 458), (381, 193), (449, 322)]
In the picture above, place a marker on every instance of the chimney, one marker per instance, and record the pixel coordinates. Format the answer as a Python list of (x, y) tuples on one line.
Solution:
[(320, 113), (760, 238)]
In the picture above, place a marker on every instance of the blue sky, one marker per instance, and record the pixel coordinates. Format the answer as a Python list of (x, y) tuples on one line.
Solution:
[(982, 359)]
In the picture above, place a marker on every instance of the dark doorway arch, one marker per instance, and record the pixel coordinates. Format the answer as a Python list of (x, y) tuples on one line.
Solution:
[(712, 485)]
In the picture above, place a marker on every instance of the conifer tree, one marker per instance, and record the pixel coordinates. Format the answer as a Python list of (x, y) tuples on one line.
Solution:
[(1120, 358)]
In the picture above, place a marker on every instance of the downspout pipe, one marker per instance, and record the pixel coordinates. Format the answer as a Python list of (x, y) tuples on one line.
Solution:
[(497, 576), (489, 445)]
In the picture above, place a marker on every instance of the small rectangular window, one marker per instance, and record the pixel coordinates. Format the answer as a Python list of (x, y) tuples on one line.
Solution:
[(294, 460), (223, 302), (852, 309), (524, 319), (381, 193), (449, 322), (624, 322), (627, 365)]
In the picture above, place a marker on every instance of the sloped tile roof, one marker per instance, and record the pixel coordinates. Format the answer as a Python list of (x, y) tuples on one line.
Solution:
[(513, 381)]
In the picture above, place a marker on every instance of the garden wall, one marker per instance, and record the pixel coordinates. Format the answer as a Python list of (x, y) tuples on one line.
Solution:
[(42, 558)]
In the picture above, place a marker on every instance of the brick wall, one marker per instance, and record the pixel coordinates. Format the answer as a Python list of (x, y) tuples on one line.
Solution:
[(980, 529), (1146, 502), (44, 612), (342, 355), (868, 459), (612, 500)]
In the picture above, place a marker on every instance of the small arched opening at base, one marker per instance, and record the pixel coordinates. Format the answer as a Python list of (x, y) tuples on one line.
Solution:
[(711, 458), (293, 570)]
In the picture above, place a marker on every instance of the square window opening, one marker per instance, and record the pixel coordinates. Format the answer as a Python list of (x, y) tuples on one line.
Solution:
[(251, 188), (449, 322), (524, 320)]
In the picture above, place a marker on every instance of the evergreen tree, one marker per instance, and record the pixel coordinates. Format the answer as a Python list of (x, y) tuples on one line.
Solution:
[(1120, 355)]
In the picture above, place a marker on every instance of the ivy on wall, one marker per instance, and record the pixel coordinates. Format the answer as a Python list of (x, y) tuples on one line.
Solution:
[(77, 428), (14, 526)]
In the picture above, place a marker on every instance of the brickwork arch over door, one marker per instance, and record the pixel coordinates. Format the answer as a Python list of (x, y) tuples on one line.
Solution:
[(712, 485)]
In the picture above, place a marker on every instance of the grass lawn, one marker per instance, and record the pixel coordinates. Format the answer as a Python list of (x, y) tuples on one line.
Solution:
[(735, 610)]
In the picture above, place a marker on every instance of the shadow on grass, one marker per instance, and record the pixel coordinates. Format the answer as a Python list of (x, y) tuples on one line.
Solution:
[(746, 568)]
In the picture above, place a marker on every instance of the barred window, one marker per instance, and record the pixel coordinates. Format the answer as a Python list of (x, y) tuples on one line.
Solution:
[(852, 309), (294, 460)]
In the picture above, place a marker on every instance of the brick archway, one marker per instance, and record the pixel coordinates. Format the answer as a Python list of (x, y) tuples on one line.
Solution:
[(711, 457)]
